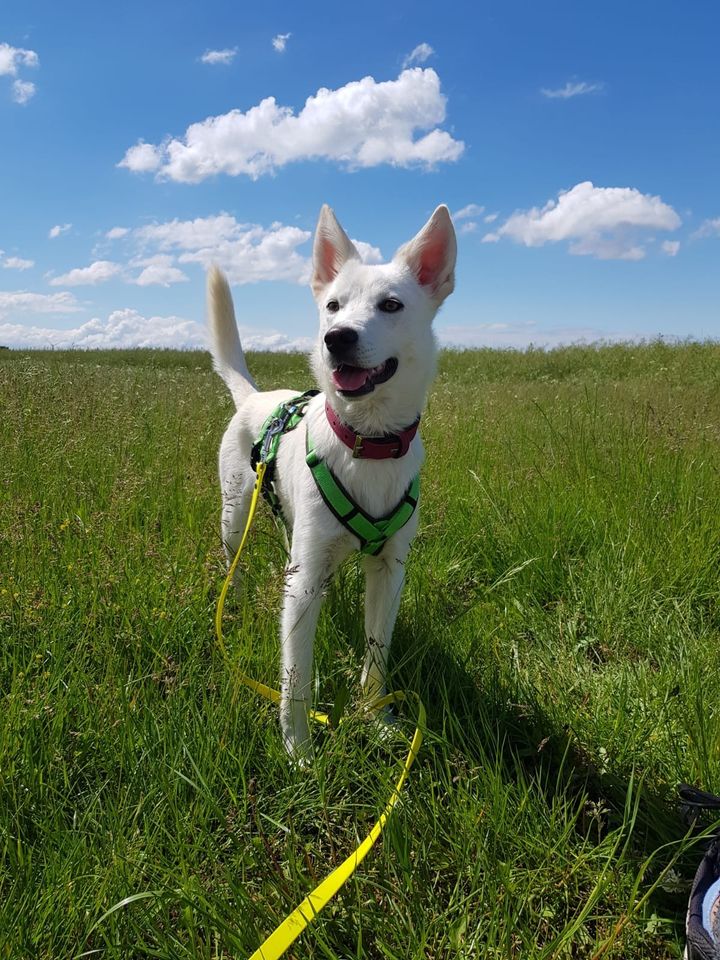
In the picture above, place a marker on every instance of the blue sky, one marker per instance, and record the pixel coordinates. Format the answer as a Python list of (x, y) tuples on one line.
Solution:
[(577, 146)]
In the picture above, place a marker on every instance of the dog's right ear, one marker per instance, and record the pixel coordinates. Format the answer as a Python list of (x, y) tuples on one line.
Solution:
[(332, 248), (431, 255)]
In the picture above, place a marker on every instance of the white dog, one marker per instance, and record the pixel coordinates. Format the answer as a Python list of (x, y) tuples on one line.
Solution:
[(374, 361)]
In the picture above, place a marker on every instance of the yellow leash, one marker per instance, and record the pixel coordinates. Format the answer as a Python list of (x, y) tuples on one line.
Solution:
[(293, 925)]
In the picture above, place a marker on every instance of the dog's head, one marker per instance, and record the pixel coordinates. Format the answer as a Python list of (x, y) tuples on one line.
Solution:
[(375, 355)]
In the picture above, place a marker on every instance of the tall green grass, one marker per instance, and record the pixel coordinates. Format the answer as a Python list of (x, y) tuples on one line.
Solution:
[(560, 621)]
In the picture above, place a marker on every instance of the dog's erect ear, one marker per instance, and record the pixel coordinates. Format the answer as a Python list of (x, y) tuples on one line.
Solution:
[(331, 250), (431, 255)]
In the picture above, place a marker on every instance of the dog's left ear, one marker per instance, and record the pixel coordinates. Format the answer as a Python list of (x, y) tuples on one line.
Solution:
[(332, 248), (431, 255)]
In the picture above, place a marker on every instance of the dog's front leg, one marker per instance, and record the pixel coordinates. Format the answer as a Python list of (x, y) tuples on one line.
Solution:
[(384, 580), (305, 578)]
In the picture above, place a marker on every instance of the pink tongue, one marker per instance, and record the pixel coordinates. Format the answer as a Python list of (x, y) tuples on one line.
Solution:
[(350, 378)]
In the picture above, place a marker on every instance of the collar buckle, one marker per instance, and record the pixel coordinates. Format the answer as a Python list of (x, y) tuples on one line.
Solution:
[(357, 446)]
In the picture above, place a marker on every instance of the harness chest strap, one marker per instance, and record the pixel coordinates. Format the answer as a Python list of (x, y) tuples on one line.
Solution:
[(372, 533)]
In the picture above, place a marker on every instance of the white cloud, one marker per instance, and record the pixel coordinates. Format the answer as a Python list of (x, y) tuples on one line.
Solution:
[(368, 253), (708, 228), (670, 247), (471, 210), (123, 328), (128, 328), (248, 252), (280, 42), (520, 336), (421, 53), (21, 301), (490, 218), (97, 272), (159, 271), (58, 229), (11, 59), (190, 234), (143, 158), (604, 222), (469, 227), (214, 57), (23, 90), (276, 342), (18, 263), (363, 124), (572, 90)]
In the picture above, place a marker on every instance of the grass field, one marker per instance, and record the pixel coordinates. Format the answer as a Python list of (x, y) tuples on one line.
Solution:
[(561, 624)]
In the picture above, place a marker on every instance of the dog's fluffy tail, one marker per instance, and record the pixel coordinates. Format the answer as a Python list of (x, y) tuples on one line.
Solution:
[(225, 346)]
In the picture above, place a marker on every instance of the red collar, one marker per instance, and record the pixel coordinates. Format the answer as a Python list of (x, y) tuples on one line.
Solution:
[(391, 445)]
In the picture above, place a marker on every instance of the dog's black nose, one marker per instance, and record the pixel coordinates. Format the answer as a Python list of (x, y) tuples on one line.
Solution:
[(340, 339)]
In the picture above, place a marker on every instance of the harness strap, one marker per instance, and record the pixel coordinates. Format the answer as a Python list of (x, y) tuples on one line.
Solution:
[(373, 534), (284, 417)]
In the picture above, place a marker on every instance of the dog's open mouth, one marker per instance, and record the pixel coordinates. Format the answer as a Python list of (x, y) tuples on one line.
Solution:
[(357, 381)]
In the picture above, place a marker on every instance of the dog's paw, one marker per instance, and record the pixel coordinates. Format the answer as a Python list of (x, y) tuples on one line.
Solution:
[(385, 726), (301, 762), (299, 750)]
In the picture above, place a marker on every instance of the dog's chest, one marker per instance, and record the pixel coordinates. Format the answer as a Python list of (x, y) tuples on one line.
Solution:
[(374, 486)]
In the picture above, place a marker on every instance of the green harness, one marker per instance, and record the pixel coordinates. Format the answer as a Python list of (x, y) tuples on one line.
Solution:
[(373, 534)]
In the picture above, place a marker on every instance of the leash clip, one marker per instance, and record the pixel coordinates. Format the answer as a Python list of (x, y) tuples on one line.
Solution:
[(276, 428)]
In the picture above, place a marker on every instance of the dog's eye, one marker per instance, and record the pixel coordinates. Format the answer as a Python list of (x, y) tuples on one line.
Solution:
[(332, 306), (391, 305)]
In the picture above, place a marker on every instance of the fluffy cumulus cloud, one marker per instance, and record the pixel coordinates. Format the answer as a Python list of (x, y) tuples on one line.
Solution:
[(609, 223), (158, 271), (117, 233), (368, 253), (280, 42), (247, 252), (58, 229), (25, 301), (12, 59), (670, 247), (128, 328), (214, 57), (363, 124), (23, 90), (143, 158), (421, 53), (572, 90), (16, 263), (97, 272)]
